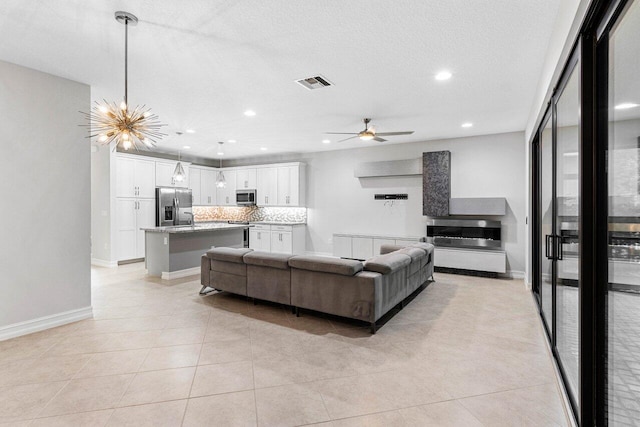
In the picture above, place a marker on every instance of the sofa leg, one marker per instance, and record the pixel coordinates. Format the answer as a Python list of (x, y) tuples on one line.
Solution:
[(293, 310), (204, 292), (297, 312), (373, 328), (254, 301)]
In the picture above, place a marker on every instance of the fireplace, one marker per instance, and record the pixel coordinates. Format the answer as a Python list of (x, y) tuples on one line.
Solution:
[(456, 233)]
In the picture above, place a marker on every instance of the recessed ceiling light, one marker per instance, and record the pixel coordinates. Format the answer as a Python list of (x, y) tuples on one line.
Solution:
[(263, 148), (249, 113), (220, 153), (326, 141), (231, 141), (190, 131), (467, 125), (443, 75), (186, 147), (626, 106)]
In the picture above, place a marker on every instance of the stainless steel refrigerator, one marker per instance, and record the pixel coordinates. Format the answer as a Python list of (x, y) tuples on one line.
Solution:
[(173, 206)]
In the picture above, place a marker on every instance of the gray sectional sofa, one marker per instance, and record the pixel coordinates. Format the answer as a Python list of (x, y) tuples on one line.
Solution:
[(342, 287)]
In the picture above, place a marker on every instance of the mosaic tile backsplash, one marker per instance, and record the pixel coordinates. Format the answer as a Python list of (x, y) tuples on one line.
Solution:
[(249, 213)]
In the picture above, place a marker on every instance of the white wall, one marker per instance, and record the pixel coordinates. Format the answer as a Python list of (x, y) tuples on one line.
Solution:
[(101, 205), (44, 254), (482, 166)]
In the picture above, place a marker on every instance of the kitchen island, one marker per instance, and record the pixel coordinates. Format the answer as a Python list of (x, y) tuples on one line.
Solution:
[(175, 251)]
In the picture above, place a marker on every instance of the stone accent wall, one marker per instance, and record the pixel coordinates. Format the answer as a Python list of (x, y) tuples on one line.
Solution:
[(436, 183)]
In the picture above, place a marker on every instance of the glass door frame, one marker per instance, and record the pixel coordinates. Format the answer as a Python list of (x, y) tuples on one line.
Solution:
[(592, 48)]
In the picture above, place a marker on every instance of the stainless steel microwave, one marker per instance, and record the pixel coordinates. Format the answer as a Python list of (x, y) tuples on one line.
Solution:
[(245, 197)]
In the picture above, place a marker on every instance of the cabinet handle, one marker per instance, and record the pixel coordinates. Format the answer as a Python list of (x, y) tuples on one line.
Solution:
[(246, 184), (208, 199), (266, 199), (258, 235), (227, 199)]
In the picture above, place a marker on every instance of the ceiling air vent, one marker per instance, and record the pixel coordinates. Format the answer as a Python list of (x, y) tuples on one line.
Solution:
[(316, 82)]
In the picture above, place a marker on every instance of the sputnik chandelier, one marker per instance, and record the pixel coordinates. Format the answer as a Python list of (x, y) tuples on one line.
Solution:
[(109, 122)]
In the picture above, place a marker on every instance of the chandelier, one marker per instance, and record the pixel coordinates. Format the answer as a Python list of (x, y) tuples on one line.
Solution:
[(127, 127)]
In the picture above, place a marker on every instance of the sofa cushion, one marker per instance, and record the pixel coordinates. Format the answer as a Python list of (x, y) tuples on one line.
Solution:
[(388, 248), (414, 253), (385, 264), (427, 247), (228, 267), (228, 254), (268, 259), (345, 267)]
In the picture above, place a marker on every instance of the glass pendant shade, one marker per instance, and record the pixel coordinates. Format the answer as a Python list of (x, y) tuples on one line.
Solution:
[(221, 182), (178, 173)]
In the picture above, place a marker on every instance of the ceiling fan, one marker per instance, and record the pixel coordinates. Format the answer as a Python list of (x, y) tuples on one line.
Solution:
[(369, 133)]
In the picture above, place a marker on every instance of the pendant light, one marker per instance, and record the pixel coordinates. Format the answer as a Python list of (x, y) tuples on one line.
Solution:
[(127, 127), (178, 172), (221, 182)]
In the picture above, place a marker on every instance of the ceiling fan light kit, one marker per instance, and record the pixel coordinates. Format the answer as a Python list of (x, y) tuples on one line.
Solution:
[(127, 127), (369, 133)]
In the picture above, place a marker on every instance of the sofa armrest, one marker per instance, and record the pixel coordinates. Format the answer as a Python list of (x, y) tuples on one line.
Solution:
[(387, 248), (385, 264)]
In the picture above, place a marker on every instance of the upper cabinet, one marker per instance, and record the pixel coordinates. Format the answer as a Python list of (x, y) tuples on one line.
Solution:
[(246, 179), (135, 177), (164, 174), (195, 185), (291, 185), (202, 182), (208, 195), (282, 185), (227, 195), (267, 188)]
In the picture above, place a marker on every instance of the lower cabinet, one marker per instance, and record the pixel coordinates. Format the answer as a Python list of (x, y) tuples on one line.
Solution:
[(357, 246), (260, 238), (286, 239), (131, 216)]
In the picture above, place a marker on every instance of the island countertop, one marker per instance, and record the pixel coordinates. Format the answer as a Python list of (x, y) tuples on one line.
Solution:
[(196, 228)]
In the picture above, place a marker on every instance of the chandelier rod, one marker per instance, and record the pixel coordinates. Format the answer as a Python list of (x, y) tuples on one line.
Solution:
[(126, 56)]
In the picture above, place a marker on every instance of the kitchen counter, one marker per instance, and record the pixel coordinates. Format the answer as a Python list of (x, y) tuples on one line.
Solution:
[(197, 227), (173, 252), (278, 223)]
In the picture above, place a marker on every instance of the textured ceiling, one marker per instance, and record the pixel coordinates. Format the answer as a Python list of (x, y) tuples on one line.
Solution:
[(201, 63)]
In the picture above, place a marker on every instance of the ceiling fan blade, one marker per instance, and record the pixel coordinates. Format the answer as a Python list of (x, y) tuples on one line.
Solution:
[(394, 133), (346, 139), (340, 133), (377, 138)]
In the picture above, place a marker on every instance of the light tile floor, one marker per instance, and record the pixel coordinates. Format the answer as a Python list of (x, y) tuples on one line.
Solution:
[(466, 351)]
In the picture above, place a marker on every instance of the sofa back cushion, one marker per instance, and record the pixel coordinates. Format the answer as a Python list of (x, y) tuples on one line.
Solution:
[(344, 267), (388, 263), (388, 248), (228, 254), (268, 259)]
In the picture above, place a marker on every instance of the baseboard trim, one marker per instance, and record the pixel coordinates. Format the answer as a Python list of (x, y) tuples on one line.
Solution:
[(104, 263), (46, 322), (515, 274), (178, 274)]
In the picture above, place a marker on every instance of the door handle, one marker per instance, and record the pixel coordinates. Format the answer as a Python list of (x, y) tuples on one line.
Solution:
[(547, 246), (559, 248)]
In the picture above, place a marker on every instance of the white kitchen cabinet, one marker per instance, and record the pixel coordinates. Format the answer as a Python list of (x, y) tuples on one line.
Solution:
[(135, 177), (226, 196), (246, 179), (202, 182), (131, 215), (208, 195), (164, 174), (290, 185), (260, 238), (195, 184), (282, 242), (267, 187)]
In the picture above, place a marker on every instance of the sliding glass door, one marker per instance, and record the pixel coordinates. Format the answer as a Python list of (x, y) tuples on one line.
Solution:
[(558, 225), (623, 187)]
